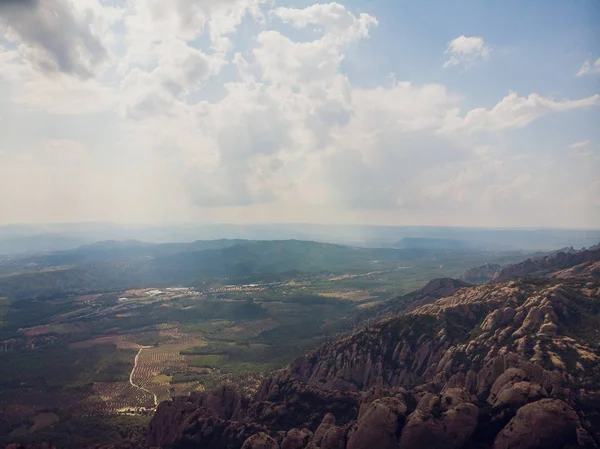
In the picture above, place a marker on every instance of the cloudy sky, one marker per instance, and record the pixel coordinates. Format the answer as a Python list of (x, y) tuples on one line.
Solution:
[(362, 111)]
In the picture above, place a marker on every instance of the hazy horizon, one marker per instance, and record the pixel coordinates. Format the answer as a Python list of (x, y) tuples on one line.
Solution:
[(290, 223), (52, 237)]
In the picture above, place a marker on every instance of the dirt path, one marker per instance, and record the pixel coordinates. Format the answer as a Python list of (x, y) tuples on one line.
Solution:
[(133, 371)]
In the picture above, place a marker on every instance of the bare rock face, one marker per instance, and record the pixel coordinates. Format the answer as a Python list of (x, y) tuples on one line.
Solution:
[(508, 378), (519, 393), (327, 426), (499, 317), (377, 392), (284, 402), (440, 422), (260, 441), (435, 289), (335, 438), (512, 389), (547, 423), (540, 266), (172, 417), (382, 422), (328, 435), (296, 439), (481, 274)]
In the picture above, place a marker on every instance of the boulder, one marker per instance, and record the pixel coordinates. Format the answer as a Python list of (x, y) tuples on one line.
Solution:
[(327, 424), (549, 329), (296, 439), (519, 393), (335, 438), (506, 379), (382, 423), (547, 423), (445, 422), (260, 441), (328, 435)]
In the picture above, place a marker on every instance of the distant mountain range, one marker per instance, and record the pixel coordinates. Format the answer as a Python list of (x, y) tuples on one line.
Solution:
[(41, 238), (119, 265)]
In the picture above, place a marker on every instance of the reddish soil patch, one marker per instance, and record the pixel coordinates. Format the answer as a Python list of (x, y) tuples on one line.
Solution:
[(43, 420), (120, 341), (88, 298), (39, 330), (136, 291)]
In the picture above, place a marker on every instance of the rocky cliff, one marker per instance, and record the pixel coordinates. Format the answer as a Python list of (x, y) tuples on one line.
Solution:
[(511, 364), (481, 274), (433, 290)]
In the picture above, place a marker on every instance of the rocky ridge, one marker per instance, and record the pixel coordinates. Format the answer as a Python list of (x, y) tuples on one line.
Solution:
[(481, 274), (511, 364), (542, 266), (434, 290)]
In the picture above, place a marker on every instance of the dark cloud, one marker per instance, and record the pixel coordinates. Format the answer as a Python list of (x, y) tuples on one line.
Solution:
[(5, 4), (55, 38)]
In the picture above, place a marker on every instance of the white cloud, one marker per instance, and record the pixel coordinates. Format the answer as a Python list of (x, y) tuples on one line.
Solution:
[(586, 152), (59, 94), (588, 68), (149, 21), (466, 51), (179, 70), (512, 112), (581, 144), (334, 20), (182, 119)]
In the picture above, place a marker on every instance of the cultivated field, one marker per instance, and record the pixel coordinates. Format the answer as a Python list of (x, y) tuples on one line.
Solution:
[(117, 397), (120, 341), (351, 295), (155, 367)]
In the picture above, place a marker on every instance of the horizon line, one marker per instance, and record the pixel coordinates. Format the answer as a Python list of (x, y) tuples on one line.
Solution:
[(258, 224)]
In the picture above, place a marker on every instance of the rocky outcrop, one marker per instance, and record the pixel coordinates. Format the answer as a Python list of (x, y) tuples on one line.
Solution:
[(260, 441), (495, 365), (296, 439), (328, 435), (284, 402), (541, 266), (382, 422), (547, 423), (512, 389), (433, 290), (481, 274), (213, 419), (443, 421)]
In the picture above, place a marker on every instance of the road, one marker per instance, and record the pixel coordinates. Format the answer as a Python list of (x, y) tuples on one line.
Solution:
[(133, 371)]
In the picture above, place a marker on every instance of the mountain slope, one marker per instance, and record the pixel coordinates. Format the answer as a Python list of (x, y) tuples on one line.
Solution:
[(481, 274), (433, 290), (544, 265), (513, 364)]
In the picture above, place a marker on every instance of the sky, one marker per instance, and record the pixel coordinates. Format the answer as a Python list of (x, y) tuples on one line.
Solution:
[(457, 113)]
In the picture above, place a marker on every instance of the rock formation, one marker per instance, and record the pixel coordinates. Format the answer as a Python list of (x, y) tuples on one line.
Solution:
[(434, 290), (481, 274), (510, 364), (541, 266)]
